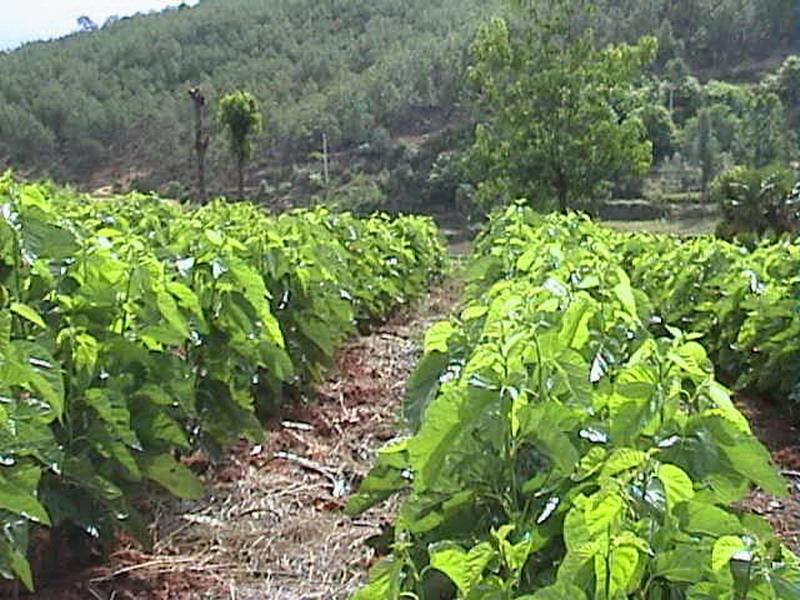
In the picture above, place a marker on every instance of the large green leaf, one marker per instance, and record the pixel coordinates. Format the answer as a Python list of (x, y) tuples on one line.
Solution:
[(18, 487), (27, 313), (385, 579), (677, 484), (464, 568), (167, 472), (43, 239)]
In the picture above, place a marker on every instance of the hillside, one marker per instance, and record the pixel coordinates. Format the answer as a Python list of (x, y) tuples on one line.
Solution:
[(118, 96), (379, 78)]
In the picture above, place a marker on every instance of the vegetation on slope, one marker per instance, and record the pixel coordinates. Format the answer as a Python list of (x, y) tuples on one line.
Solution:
[(348, 69), (113, 102)]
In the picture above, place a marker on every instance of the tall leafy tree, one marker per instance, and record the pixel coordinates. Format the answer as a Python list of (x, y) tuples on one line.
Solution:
[(706, 148), (660, 130), (786, 83), (768, 137), (560, 116), (241, 117)]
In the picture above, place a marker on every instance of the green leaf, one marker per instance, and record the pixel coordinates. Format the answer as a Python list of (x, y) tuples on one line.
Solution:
[(43, 374), (683, 566), (28, 313), (189, 301), (624, 293), (745, 453), (575, 324), (18, 563), (86, 352), (539, 424), (437, 336), (17, 493), (623, 563), (677, 484), (5, 333), (724, 549), (422, 386), (463, 568), (385, 579), (112, 408), (441, 429), (474, 312), (42, 239), (320, 334), (786, 583), (527, 259), (622, 459), (699, 517), (156, 428), (749, 457), (177, 479)]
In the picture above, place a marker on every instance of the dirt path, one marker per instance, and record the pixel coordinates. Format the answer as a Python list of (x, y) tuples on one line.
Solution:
[(271, 525), (774, 427)]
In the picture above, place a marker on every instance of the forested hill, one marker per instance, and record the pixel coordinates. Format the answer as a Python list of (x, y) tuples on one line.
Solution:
[(339, 66), (98, 105)]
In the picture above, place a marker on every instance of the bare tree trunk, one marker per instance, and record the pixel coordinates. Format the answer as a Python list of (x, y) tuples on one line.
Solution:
[(240, 173), (201, 140), (325, 163)]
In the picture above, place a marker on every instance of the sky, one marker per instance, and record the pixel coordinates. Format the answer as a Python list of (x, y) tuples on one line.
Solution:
[(28, 20)]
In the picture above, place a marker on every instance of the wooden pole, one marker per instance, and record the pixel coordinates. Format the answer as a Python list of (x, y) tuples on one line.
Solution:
[(325, 161), (325, 157)]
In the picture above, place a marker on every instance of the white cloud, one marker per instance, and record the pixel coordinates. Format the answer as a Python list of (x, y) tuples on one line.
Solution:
[(28, 20)]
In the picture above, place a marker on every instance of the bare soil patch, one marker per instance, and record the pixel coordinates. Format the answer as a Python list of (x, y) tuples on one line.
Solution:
[(775, 428)]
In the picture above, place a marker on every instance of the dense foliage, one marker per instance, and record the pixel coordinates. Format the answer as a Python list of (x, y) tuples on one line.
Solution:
[(571, 442), (561, 114), (240, 116), (711, 35), (370, 74), (742, 302), (133, 330), (756, 201), (566, 113), (348, 69)]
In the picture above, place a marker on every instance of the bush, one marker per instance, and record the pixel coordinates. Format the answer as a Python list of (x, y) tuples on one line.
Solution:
[(361, 195), (756, 200), (660, 130)]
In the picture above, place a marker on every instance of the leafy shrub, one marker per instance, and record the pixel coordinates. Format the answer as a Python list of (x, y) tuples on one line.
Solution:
[(755, 201), (563, 450), (660, 130), (133, 330), (362, 195)]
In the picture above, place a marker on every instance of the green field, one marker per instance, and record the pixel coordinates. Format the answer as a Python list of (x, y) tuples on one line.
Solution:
[(134, 331), (571, 435)]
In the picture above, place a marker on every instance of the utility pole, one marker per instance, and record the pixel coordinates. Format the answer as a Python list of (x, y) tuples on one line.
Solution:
[(201, 140)]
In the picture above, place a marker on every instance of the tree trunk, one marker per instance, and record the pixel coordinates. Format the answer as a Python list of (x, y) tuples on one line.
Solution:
[(240, 173), (562, 202), (562, 191), (201, 140)]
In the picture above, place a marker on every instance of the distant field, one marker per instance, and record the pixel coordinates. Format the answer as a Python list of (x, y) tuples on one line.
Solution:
[(683, 227)]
